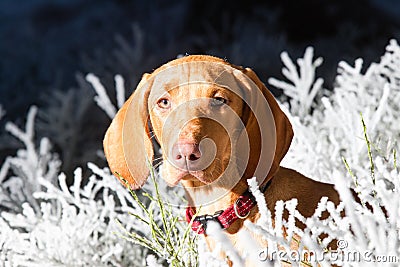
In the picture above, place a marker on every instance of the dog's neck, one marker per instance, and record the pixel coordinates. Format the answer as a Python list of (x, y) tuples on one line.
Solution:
[(211, 198)]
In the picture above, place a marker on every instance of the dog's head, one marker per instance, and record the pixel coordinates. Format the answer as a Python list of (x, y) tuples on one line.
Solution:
[(215, 123)]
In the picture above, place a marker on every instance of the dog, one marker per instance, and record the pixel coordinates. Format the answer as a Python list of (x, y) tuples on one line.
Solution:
[(217, 125)]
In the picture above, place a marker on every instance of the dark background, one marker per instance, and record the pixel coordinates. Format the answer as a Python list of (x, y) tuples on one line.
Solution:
[(47, 47)]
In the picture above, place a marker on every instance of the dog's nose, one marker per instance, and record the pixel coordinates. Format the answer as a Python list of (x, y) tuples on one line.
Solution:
[(185, 155)]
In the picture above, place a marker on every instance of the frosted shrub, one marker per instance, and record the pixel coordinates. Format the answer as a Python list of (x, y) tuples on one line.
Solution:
[(64, 119), (30, 163), (102, 99), (343, 141), (304, 87), (162, 229), (334, 131), (45, 223)]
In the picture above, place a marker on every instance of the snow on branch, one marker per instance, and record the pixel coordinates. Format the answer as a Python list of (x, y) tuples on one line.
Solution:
[(304, 86), (44, 221), (333, 132), (102, 99), (120, 90), (76, 225), (28, 166)]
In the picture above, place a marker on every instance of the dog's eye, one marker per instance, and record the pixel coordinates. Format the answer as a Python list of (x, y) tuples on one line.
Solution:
[(164, 103), (218, 101)]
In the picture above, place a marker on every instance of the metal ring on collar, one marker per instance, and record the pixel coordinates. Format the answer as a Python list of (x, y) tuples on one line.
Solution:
[(237, 213)]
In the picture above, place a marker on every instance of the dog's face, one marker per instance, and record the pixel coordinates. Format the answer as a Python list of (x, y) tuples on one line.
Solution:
[(197, 126), (214, 122)]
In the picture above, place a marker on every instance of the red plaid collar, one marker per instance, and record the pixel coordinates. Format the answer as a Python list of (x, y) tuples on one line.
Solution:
[(239, 210)]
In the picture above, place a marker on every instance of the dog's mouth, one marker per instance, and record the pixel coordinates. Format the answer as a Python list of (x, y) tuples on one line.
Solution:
[(202, 176), (198, 175)]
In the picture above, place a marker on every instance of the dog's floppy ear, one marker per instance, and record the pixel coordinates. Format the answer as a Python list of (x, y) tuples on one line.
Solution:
[(283, 129), (127, 143)]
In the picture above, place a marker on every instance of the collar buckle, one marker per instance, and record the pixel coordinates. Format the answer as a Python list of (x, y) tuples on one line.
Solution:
[(204, 219)]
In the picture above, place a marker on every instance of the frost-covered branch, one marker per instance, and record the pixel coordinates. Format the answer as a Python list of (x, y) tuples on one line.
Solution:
[(77, 225), (223, 244), (323, 134), (304, 86), (102, 99), (45, 222), (120, 90), (28, 166)]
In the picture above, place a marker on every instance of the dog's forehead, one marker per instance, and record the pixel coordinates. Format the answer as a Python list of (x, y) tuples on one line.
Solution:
[(197, 90), (200, 77)]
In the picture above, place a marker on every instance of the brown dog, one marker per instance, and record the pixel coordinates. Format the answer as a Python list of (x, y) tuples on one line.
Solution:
[(217, 125)]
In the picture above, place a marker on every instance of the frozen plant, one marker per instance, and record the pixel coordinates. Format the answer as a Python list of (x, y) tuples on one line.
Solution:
[(102, 99), (336, 144), (65, 119), (325, 135), (30, 164), (304, 86), (165, 232), (76, 226), (44, 222)]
